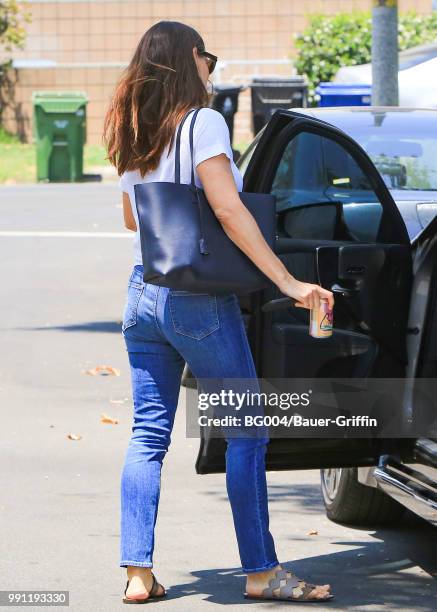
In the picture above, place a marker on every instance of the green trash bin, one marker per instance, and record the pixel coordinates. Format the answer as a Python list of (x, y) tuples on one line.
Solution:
[(59, 129)]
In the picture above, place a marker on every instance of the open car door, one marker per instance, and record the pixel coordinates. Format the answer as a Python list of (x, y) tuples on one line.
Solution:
[(337, 226)]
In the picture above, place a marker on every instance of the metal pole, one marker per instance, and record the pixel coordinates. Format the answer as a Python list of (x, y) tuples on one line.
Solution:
[(385, 63)]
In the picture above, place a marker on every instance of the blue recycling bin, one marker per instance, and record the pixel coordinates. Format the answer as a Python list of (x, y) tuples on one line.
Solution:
[(344, 94)]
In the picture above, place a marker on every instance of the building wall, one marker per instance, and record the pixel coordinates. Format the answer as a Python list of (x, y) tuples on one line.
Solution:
[(91, 41)]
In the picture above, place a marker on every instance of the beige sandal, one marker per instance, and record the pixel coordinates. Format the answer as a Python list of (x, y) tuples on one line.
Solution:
[(291, 588)]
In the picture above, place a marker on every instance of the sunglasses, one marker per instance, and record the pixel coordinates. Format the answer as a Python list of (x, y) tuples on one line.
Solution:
[(211, 59)]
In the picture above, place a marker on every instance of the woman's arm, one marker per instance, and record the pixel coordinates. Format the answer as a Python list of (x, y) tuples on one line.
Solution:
[(239, 224), (129, 219)]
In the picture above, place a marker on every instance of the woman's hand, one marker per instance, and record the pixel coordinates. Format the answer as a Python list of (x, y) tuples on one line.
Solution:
[(306, 294)]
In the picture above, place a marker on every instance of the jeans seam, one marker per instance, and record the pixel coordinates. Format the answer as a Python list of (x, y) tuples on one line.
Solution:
[(249, 356), (155, 308), (135, 284), (248, 353), (258, 503)]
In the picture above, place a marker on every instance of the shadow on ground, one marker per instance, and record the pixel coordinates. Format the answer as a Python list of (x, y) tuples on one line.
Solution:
[(372, 574), (376, 573), (91, 326)]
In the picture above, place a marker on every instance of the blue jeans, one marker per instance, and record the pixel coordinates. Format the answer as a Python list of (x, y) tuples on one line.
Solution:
[(164, 328)]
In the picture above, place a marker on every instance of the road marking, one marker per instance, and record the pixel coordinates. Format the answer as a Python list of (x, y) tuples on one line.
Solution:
[(23, 234)]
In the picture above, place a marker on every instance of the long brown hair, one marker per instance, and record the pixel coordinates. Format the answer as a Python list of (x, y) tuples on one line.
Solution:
[(158, 86)]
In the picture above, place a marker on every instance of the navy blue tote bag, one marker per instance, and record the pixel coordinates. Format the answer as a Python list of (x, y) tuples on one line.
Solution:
[(183, 244)]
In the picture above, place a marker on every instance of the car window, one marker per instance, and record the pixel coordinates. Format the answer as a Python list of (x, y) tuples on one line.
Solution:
[(401, 144), (322, 193), (408, 163)]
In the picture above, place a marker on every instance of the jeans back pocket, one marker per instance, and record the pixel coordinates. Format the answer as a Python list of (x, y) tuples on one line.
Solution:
[(193, 314)]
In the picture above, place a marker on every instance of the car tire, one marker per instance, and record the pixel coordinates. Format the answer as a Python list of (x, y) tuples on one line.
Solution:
[(348, 501), (188, 380)]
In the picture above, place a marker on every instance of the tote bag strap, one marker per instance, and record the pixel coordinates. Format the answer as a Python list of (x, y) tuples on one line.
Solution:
[(202, 241), (178, 147)]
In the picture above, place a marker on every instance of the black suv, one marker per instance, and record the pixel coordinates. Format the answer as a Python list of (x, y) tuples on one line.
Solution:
[(338, 226)]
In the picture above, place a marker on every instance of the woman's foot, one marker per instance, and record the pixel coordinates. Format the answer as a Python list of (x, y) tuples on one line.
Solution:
[(141, 582), (256, 582)]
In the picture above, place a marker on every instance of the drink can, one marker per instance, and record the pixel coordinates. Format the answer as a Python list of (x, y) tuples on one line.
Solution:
[(321, 320)]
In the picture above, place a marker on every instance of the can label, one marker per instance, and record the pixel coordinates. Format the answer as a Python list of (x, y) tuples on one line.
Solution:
[(321, 320)]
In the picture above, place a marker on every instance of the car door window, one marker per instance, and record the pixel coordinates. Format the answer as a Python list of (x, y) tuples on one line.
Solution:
[(322, 192)]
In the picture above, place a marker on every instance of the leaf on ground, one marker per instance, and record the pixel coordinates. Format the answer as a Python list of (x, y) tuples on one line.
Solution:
[(313, 532), (103, 370), (104, 418), (74, 437)]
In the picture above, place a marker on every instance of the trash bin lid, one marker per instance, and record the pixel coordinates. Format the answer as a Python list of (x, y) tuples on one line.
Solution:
[(279, 81), (343, 88), (227, 87), (59, 101)]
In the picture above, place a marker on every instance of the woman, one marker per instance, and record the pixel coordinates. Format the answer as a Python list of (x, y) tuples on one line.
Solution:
[(163, 329)]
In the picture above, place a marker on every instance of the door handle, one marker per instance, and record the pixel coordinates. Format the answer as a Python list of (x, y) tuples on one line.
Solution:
[(278, 304), (356, 270), (346, 292)]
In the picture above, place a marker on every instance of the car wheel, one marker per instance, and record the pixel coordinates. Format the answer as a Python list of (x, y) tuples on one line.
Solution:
[(188, 380), (348, 501)]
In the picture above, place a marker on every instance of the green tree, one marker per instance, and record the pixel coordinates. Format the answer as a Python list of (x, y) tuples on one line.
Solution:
[(13, 17)]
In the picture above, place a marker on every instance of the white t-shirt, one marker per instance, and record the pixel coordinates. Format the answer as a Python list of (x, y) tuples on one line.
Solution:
[(210, 137)]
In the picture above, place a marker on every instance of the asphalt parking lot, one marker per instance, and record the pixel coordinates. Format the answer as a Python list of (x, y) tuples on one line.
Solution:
[(65, 262)]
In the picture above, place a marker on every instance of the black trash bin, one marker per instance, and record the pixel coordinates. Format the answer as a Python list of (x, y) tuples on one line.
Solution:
[(270, 93), (225, 100)]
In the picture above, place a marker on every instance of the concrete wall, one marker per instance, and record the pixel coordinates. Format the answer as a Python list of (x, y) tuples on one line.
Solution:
[(90, 41)]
